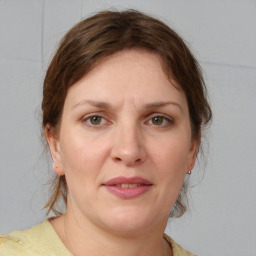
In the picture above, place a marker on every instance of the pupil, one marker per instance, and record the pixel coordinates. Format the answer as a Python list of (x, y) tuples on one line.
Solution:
[(95, 120), (157, 120)]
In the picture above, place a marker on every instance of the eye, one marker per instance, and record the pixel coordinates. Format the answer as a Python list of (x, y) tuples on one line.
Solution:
[(157, 120), (160, 120), (94, 120)]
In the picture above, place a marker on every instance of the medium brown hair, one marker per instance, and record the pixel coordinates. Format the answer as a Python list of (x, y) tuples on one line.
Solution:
[(102, 35)]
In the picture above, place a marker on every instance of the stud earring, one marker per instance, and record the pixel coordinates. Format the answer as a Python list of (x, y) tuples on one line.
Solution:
[(187, 171)]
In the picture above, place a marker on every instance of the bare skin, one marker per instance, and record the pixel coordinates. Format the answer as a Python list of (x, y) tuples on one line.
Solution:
[(123, 119), (95, 244)]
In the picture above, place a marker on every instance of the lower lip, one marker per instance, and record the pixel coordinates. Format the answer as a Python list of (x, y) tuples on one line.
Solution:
[(128, 193)]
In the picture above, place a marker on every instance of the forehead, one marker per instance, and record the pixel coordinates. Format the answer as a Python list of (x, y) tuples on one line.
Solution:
[(134, 74)]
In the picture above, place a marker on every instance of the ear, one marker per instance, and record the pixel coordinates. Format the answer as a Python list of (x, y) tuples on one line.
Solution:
[(54, 146), (195, 143)]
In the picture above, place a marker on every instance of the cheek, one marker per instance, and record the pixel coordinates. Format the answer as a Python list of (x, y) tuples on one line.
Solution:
[(82, 158), (75, 158), (80, 170), (171, 159), (170, 164)]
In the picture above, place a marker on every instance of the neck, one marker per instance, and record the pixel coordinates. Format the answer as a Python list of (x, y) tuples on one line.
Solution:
[(84, 238)]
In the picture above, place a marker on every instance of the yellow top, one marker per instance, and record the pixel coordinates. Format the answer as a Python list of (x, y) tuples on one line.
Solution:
[(42, 240)]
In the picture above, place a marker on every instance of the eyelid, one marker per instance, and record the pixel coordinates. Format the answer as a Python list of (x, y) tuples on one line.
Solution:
[(87, 117), (106, 121), (168, 118)]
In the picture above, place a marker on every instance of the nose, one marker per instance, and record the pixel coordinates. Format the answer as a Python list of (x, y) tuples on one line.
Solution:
[(128, 145)]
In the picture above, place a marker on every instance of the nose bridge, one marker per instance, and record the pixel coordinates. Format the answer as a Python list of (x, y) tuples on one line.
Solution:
[(128, 145)]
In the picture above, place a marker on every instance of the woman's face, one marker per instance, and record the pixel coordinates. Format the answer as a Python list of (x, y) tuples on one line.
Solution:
[(124, 144)]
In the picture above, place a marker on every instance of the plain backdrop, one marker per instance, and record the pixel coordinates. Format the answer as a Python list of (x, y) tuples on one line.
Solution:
[(222, 35)]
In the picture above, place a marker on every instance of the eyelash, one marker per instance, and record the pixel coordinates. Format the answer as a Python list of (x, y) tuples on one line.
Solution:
[(166, 119), (87, 119)]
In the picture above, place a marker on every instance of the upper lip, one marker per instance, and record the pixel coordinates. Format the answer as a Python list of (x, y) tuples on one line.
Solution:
[(125, 180)]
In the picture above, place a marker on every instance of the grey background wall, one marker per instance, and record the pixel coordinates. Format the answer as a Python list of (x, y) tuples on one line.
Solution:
[(221, 33)]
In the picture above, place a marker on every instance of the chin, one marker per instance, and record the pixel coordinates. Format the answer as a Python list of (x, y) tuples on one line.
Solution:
[(129, 221)]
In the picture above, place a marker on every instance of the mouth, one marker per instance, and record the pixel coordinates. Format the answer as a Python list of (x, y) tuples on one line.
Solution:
[(128, 188), (124, 181), (130, 185)]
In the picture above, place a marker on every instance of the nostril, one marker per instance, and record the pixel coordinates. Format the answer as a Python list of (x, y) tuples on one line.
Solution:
[(128, 161)]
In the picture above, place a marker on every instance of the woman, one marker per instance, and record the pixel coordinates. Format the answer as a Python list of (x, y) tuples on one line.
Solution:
[(124, 105)]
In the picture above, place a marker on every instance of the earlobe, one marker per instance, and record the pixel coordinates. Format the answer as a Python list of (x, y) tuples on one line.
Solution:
[(53, 143)]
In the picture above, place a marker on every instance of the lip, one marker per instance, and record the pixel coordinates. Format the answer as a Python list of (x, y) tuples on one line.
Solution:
[(124, 180), (128, 193)]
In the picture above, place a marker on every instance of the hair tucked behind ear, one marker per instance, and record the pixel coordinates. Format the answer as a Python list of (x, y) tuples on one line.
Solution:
[(99, 36)]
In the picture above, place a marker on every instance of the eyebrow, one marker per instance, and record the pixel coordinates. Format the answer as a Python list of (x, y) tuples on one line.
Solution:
[(98, 104), (148, 106), (162, 104)]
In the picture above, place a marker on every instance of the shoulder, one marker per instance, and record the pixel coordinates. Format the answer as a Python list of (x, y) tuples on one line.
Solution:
[(39, 240), (16, 243), (176, 248)]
